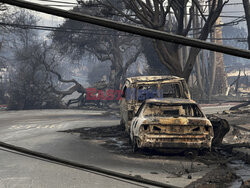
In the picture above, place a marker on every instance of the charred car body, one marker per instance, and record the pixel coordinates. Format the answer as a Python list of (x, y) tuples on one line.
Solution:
[(171, 123), (137, 89)]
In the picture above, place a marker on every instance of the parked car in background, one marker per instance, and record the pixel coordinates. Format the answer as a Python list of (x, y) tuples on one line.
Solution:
[(137, 89)]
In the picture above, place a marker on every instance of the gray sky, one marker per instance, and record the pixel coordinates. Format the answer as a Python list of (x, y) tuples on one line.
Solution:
[(47, 19), (229, 10), (233, 10)]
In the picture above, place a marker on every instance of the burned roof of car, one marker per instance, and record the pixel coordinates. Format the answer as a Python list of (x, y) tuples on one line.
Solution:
[(152, 78), (171, 101)]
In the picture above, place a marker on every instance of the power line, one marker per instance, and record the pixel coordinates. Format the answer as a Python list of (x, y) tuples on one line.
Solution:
[(53, 162), (58, 29), (231, 23), (51, 5), (233, 11), (227, 4), (83, 31), (72, 5), (53, 1), (63, 2), (146, 32), (224, 16), (85, 167)]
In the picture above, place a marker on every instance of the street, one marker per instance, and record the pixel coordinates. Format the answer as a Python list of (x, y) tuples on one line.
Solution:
[(119, 94), (38, 130)]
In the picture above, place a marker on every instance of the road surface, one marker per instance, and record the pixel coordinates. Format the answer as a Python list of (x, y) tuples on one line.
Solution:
[(39, 130)]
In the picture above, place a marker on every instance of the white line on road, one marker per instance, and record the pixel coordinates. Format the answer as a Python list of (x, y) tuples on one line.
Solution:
[(52, 126)]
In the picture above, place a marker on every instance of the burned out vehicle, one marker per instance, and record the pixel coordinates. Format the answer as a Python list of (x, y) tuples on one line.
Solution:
[(137, 89), (171, 124)]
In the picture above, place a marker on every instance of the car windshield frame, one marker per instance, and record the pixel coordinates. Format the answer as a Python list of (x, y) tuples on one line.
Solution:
[(197, 113)]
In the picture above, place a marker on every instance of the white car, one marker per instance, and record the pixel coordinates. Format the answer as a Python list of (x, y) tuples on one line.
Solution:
[(171, 123)]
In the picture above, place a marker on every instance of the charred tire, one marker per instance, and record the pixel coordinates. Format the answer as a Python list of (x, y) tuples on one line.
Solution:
[(204, 151), (122, 124), (134, 145), (191, 154), (130, 141)]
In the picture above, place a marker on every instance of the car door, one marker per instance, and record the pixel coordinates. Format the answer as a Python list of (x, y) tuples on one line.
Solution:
[(135, 120)]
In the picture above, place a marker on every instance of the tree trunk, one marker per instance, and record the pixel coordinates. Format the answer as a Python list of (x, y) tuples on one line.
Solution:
[(116, 72), (199, 77), (170, 61), (196, 24), (156, 14)]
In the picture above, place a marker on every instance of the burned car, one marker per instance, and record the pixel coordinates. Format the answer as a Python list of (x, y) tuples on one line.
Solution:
[(137, 89), (170, 123)]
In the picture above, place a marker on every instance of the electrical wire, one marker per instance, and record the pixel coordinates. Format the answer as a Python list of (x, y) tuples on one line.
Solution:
[(68, 4), (57, 29), (90, 31), (128, 28), (52, 162), (53, 1), (72, 5), (59, 5), (80, 166)]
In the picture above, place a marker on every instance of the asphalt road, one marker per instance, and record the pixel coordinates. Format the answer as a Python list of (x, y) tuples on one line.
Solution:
[(39, 130), (215, 108)]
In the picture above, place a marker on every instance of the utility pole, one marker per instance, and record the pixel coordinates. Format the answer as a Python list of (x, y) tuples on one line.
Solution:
[(221, 84), (185, 49), (212, 64), (196, 25)]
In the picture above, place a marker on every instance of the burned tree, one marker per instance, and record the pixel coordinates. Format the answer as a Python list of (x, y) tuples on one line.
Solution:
[(169, 16), (29, 82), (37, 79), (77, 87), (34, 75), (108, 46)]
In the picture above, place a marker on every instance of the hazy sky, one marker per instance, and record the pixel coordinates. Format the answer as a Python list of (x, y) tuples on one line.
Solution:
[(47, 19), (229, 10), (233, 10)]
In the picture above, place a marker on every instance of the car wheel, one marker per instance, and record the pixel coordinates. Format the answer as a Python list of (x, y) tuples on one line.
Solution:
[(134, 146), (191, 154), (122, 124), (204, 151), (130, 141)]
